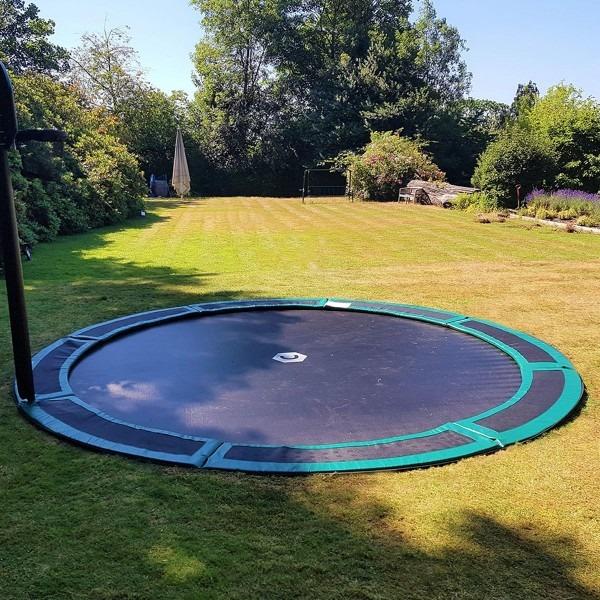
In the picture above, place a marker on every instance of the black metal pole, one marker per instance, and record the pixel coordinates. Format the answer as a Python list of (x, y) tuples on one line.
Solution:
[(13, 272), (9, 241), (303, 186)]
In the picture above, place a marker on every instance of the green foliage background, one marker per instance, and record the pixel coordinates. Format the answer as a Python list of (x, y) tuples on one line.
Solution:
[(551, 142), (94, 180)]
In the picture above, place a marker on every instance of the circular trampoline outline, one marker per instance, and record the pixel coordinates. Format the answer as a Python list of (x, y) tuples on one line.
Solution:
[(56, 361)]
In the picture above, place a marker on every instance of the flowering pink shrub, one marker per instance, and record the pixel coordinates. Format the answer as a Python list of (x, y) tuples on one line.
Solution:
[(387, 163)]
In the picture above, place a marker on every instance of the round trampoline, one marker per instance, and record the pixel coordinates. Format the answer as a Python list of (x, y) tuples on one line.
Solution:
[(295, 386)]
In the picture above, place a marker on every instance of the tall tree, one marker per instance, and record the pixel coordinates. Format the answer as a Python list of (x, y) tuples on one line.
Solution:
[(460, 131), (438, 60), (554, 143), (415, 75), (329, 59), (525, 98), (106, 68), (302, 80), (236, 103), (24, 39), (570, 123)]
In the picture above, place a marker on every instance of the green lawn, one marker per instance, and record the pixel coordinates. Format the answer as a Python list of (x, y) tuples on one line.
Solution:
[(521, 523)]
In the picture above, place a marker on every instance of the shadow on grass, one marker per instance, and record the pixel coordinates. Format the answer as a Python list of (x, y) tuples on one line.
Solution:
[(275, 547), (169, 533), (68, 287), (168, 203)]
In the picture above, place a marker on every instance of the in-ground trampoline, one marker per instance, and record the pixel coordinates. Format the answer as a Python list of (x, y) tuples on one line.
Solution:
[(294, 386)]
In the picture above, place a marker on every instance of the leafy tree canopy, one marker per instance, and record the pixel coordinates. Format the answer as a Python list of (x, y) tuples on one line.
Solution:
[(305, 79), (93, 182), (24, 39), (554, 142), (525, 98), (518, 157), (570, 125), (106, 69)]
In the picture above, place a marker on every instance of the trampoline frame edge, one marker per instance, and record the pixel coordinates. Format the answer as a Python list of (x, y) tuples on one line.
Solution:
[(212, 454)]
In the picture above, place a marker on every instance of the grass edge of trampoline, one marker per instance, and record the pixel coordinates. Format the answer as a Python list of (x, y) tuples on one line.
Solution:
[(212, 454)]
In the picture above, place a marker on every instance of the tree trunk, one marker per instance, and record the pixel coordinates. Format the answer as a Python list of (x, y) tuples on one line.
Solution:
[(435, 192)]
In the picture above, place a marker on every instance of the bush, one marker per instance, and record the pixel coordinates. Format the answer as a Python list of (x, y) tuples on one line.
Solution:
[(387, 163), (544, 213), (478, 202), (567, 214), (94, 181), (589, 221), (516, 157), (41, 205)]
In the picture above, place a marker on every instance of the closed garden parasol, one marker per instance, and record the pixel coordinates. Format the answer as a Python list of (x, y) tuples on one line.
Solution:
[(181, 173)]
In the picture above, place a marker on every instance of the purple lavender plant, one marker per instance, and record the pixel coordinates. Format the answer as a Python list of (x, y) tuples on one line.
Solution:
[(568, 194), (564, 194), (536, 193)]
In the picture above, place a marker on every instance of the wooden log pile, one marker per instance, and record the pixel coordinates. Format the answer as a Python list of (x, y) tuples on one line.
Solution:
[(433, 192)]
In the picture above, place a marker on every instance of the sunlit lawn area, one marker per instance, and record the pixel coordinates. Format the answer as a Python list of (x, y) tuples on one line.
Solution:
[(518, 524)]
